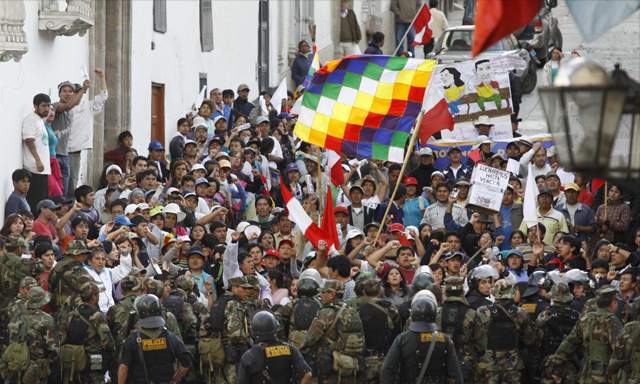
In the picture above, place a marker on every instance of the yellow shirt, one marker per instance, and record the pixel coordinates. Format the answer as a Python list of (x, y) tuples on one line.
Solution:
[(453, 93), (485, 90)]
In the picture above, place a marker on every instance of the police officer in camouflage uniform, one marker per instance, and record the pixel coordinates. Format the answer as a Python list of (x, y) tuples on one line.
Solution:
[(553, 325), (20, 302), (156, 288), (150, 353), (87, 331), (32, 345), (336, 336), (499, 331), (381, 323), (121, 317), (237, 324), (456, 318), (595, 335), (269, 360), (422, 355), (66, 278), (624, 365)]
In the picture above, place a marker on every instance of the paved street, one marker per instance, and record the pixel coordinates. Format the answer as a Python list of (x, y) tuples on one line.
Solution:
[(621, 44)]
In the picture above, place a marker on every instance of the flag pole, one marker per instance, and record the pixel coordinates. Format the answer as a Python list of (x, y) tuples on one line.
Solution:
[(319, 181), (408, 29), (407, 157)]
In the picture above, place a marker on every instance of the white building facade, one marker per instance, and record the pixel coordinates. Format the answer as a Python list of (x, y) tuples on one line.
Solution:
[(157, 55)]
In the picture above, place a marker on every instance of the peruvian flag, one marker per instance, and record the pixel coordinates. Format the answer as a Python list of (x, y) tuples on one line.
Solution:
[(496, 19), (328, 225), (421, 26), (335, 168), (437, 118), (297, 214)]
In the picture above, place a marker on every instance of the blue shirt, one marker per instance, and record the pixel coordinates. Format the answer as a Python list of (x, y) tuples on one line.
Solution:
[(412, 212), (507, 227), (200, 279)]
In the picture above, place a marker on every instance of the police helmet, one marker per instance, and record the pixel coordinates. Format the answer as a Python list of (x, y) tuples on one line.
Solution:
[(423, 312), (484, 271), (308, 288), (503, 289), (149, 311), (537, 280), (88, 290), (423, 281), (264, 326), (312, 274)]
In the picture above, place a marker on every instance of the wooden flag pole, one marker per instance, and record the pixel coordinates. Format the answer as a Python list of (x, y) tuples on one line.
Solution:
[(606, 198), (407, 157)]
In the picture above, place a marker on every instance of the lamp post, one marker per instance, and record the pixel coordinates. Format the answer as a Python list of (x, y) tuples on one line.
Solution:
[(584, 109)]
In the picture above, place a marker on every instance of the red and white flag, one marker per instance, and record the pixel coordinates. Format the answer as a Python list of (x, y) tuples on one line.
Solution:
[(335, 168), (421, 26), (297, 214), (328, 225), (437, 118)]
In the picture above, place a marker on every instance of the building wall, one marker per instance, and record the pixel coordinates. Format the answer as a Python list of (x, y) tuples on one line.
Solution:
[(177, 59), (50, 60)]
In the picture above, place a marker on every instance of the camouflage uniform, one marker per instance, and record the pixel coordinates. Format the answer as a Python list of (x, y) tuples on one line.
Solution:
[(553, 325), (20, 302), (156, 287), (324, 335), (624, 365), (498, 331), (460, 327), (118, 316), (88, 327), (35, 328), (595, 335), (65, 280), (236, 335)]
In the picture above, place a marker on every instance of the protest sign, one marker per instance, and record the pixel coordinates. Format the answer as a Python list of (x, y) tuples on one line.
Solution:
[(487, 188), (475, 89)]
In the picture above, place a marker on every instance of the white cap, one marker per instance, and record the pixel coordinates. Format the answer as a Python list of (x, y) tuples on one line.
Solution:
[(189, 141), (143, 206), (482, 120), (241, 226), (426, 151), (114, 167), (199, 121), (131, 208), (171, 190), (353, 233), (198, 166)]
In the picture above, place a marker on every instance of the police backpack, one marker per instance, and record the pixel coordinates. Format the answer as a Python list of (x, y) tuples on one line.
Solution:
[(303, 312)]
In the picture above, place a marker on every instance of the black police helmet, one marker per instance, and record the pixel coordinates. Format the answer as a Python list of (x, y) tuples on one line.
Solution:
[(149, 311), (307, 288), (423, 309), (264, 326)]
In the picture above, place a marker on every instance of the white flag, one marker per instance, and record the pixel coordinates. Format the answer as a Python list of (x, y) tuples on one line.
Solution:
[(279, 94), (530, 204)]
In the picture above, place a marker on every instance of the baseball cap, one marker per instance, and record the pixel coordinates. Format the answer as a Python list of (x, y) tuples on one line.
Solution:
[(356, 186), (242, 87), (113, 167), (222, 154), (261, 119), (138, 220), (545, 191), (526, 142), (66, 84), (131, 208), (155, 145), (171, 190), (189, 141), (451, 255), (437, 173), (426, 151), (292, 167), (341, 209), (272, 253), (409, 180), (199, 121), (188, 194), (452, 149), (572, 186), (482, 120), (143, 206), (46, 204), (122, 220), (201, 180), (198, 166), (462, 181), (224, 163), (195, 250), (395, 227)]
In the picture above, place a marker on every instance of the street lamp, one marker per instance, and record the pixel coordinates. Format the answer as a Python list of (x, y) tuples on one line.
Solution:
[(583, 110)]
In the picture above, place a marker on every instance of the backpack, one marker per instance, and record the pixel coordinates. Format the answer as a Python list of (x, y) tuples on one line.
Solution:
[(560, 323), (174, 304), (350, 331), (304, 310), (16, 358), (212, 355), (453, 314)]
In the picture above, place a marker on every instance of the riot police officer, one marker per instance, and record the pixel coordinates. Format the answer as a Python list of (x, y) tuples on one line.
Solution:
[(269, 360), (150, 352), (422, 354), (480, 282), (535, 298)]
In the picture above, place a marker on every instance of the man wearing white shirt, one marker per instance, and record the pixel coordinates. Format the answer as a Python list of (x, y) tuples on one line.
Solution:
[(106, 278), (35, 150), (81, 128)]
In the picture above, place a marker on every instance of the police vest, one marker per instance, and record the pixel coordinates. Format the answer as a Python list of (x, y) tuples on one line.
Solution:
[(377, 326), (276, 361), (414, 349), (559, 324), (158, 354), (503, 332)]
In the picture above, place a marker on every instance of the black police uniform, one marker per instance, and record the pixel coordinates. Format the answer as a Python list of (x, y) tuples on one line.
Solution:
[(160, 354), (271, 362), (408, 352)]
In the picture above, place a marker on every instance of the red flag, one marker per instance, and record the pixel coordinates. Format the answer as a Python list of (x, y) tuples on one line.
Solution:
[(475, 155), (297, 214), (435, 120), (335, 168), (496, 19), (596, 184), (421, 26), (328, 225)]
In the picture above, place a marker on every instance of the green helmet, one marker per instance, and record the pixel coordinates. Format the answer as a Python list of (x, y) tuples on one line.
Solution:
[(77, 247), (184, 283), (37, 297), (149, 311), (28, 282), (560, 293), (15, 242), (87, 290), (503, 289)]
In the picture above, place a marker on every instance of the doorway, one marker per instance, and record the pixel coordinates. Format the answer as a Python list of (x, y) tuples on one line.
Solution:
[(157, 112)]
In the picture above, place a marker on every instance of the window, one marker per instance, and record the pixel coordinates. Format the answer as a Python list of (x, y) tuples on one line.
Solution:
[(203, 83), (206, 26), (160, 16)]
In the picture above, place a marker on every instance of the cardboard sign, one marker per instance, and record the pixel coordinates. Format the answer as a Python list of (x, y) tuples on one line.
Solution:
[(487, 188)]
